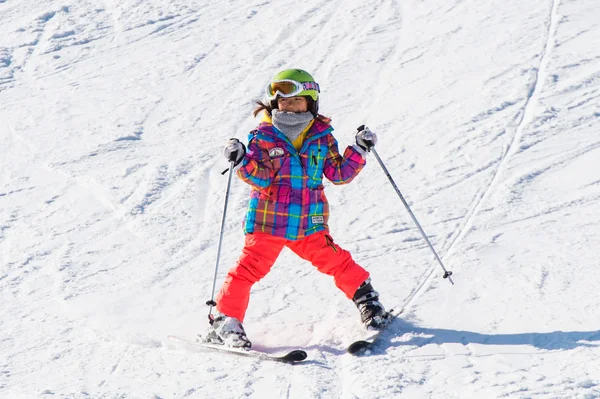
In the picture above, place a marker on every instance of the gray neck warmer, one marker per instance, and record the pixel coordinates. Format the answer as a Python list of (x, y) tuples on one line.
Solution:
[(291, 123)]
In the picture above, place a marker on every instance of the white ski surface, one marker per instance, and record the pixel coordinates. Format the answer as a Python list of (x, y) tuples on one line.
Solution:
[(291, 357)]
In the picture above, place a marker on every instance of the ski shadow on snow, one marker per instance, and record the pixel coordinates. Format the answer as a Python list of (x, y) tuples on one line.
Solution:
[(555, 340)]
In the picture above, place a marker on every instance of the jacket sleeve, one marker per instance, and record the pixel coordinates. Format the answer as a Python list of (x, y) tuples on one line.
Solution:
[(342, 169), (256, 168)]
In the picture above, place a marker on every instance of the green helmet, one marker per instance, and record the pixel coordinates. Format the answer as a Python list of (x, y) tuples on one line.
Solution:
[(300, 76), (291, 83)]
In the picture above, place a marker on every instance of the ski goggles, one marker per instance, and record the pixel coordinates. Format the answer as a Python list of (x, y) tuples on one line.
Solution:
[(289, 88)]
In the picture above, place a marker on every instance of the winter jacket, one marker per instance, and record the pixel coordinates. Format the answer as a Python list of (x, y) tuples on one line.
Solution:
[(287, 198)]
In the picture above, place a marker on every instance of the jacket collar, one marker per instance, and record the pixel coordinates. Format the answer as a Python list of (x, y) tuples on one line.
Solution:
[(314, 130)]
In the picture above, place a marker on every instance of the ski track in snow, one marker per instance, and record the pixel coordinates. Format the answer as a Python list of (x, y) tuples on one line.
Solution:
[(523, 117), (113, 197)]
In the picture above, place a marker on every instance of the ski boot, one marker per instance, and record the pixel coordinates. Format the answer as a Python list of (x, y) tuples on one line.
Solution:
[(228, 331), (372, 312)]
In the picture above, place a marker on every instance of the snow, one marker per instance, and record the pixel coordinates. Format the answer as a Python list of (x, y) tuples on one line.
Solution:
[(113, 115)]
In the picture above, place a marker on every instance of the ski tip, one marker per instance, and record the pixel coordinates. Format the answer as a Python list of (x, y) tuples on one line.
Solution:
[(295, 356), (358, 347)]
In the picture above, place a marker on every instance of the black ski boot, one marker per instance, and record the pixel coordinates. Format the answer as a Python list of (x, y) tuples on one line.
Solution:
[(372, 312)]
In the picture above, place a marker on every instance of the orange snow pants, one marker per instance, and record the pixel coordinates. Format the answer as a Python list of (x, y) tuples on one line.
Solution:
[(260, 253)]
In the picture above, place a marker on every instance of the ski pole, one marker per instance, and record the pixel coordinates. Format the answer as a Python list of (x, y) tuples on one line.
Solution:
[(447, 273), (212, 302)]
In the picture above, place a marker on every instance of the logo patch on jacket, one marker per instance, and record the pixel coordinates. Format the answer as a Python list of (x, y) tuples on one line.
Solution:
[(317, 219), (276, 152)]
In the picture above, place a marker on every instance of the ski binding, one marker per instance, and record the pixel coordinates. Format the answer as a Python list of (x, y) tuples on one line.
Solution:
[(363, 345)]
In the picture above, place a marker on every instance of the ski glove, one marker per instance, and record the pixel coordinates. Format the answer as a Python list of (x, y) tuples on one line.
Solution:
[(365, 138), (234, 151)]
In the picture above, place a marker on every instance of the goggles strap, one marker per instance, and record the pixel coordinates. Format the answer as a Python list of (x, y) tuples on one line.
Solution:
[(311, 86)]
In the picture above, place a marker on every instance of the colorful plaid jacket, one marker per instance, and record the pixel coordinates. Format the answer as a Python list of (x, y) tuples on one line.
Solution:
[(287, 198)]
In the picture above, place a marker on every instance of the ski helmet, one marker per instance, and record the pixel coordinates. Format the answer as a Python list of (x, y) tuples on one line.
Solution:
[(291, 83)]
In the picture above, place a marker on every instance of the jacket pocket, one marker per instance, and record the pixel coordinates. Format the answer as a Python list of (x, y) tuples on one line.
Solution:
[(314, 165), (318, 213), (275, 193), (277, 164), (273, 207)]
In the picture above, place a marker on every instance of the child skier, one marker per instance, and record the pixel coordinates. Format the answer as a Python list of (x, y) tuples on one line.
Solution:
[(288, 154)]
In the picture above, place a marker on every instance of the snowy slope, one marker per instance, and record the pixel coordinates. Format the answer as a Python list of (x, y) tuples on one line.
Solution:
[(113, 115)]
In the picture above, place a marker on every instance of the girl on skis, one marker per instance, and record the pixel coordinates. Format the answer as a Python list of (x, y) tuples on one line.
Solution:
[(287, 156)]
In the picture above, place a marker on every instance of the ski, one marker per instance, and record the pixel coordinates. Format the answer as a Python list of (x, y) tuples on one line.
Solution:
[(363, 345), (291, 357)]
